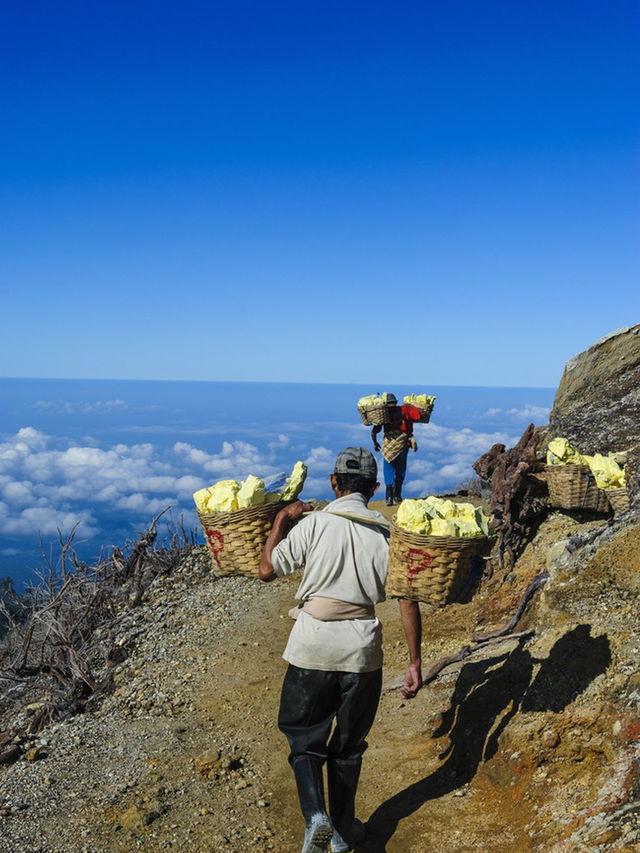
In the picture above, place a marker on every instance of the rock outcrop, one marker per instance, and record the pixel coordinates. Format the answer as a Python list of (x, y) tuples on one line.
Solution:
[(597, 404)]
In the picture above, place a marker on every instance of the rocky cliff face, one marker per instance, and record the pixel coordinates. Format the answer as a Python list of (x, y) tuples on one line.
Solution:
[(597, 404)]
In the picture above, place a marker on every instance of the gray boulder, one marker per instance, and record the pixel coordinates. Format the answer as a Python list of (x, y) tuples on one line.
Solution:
[(597, 404)]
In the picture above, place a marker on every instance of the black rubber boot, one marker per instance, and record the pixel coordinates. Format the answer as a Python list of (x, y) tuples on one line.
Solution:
[(397, 494), (343, 778), (389, 496), (308, 773)]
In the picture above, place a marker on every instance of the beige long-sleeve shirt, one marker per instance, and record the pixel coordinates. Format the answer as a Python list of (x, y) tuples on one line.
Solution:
[(340, 559)]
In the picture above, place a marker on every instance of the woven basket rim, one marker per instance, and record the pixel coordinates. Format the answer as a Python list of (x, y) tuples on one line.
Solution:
[(376, 407), (237, 514)]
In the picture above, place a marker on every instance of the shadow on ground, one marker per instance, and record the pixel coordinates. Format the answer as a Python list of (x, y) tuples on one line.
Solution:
[(487, 695)]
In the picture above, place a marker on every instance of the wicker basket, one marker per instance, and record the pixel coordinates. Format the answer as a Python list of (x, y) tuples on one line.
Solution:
[(574, 487), (236, 539), (433, 569), (375, 415), (425, 412), (619, 499)]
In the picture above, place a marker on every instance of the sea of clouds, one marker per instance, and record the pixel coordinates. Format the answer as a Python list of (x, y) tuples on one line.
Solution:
[(51, 482)]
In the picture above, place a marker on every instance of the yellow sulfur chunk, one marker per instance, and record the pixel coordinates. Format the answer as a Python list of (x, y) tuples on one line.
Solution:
[(467, 511), (439, 507), (371, 400), (560, 452), (422, 401), (251, 492), (482, 521), (223, 496), (468, 527), (443, 527), (200, 498), (295, 482), (441, 517), (608, 474), (412, 516)]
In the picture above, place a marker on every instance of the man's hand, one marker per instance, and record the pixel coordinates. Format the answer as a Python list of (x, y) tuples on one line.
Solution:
[(292, 512), (413, 443), (376, 446), (412, 681)]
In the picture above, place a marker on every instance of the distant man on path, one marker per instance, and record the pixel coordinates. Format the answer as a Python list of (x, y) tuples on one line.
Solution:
[(334, 650), (398, 437)]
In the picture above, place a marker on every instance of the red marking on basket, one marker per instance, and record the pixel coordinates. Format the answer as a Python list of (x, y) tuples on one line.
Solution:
[(417, 561), (216, 544)]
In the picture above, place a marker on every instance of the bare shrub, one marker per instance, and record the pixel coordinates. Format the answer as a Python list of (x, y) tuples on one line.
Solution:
[(64, 637)]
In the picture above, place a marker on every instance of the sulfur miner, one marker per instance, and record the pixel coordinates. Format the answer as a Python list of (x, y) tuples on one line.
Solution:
[(398, 438), (334, 650)]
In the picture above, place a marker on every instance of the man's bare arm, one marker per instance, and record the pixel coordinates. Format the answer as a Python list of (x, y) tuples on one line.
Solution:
[(279, 530), (412, 624)]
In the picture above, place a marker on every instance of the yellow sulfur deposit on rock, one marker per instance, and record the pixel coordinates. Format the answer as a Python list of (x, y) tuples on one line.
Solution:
[(605, 469), (433, 516), (229, 495)]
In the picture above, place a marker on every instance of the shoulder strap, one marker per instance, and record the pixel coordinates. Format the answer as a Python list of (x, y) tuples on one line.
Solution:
[(374, 522)]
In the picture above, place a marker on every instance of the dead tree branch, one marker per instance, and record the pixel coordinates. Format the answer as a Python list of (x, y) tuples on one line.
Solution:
[(479, 642)]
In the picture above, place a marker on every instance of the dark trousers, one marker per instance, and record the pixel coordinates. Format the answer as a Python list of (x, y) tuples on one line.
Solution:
[(312, 699)]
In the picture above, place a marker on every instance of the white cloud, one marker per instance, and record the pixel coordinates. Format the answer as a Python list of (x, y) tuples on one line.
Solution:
[(280, 442), (315, 487), (141, 504), (43, 488), (319, 458), (538, 414), (18, 492), (94, 407), (471, 443), (45, 520)]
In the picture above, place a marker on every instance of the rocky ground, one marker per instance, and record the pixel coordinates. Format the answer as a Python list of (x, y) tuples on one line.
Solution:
[(530, 745)]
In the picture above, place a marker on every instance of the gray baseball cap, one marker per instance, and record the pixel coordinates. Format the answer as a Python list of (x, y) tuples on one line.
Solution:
[(356, 460)]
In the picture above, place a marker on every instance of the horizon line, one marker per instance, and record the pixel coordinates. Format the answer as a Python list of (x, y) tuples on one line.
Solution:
[(261, 382)]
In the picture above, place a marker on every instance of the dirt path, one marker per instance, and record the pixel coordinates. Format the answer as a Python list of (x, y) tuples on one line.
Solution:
[(414, 799)]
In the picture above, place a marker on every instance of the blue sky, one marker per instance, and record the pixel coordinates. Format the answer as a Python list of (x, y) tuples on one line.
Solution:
[(417, 192)]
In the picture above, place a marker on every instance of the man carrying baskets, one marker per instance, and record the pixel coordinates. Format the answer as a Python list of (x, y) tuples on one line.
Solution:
[(334, 650), (398, 437)]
